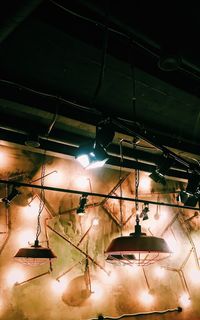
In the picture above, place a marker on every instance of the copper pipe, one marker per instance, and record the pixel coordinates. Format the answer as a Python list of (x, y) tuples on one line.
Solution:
[(33, 278), (81, 251), (68, 270)]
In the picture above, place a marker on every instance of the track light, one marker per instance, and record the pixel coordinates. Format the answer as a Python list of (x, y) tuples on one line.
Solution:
[(14, 192), (82, 203), (144, 212), (94, 155), (191, 195), (158, 175)]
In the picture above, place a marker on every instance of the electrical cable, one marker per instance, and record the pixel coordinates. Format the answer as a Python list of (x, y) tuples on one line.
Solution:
[(129, 315)]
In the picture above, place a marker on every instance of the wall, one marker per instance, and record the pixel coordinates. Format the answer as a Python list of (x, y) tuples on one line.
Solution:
[(86, 290)]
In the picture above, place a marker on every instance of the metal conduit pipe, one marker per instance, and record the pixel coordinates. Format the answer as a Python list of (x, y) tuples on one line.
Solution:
[(95, 194)]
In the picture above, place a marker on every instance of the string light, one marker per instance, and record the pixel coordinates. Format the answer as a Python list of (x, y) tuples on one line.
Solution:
[(146, 297), (14, 274), (159, 272), (185, 300)]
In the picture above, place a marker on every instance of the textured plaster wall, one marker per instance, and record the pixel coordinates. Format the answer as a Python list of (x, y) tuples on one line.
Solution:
[(114, 295)]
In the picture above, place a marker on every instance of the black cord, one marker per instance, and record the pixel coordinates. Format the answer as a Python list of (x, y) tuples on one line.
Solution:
[(178, 309), (103, 57)]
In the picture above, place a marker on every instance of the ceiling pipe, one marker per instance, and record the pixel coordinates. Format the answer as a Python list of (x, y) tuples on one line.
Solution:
[(23, 10), (94, 194)]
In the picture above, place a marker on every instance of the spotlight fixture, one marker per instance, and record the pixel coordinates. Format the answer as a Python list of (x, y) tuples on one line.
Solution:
[(82, 203), (143, 250), (14, 193), (94, 155), (158, 175), (36, 254), (144, 212), (191, 195), (32, 140)]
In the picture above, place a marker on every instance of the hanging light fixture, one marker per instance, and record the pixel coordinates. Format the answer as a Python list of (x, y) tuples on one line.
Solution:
[(36, 254), (158, 175), (137, 248)]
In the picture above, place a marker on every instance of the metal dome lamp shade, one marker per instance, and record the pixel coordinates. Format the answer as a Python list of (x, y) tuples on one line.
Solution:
[(137, 248), (36, 255)]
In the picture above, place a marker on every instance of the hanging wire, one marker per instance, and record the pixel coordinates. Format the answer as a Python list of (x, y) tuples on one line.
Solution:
[(42, 199), (103, 56), (120, 184), (137, 181)]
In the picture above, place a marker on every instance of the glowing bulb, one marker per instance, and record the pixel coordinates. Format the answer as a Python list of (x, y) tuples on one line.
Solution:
[(145, 183), (173, 245), (97, 291), (14, 275), (95, 222), (30, 212), (159, 272), (59, 286), (82, 182), (185, 300), (55, 178), (25, 237), (146, 298)]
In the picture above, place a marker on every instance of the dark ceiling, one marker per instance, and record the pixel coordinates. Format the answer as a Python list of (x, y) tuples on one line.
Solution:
[(66, 65)]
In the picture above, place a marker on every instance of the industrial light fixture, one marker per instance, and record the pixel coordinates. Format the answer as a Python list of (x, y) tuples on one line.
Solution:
[(93, 154), (14, 193), (36, 254), (137, 248), (191, 195), (158, 175), (82, 203), (144, 211)]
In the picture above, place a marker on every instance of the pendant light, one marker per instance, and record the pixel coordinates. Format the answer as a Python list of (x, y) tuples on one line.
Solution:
[(137, 248), (36, 254)]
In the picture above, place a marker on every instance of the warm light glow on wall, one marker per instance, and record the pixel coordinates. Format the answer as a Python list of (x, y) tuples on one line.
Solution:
[(146, 298), (14, 274), (97, 291), (82, 182), (24, 237), (159, 272), (145, 183), (55, 179), (185, 300), (58, 286), (110, 279), (4, 159), (173, 245), (30, 212)]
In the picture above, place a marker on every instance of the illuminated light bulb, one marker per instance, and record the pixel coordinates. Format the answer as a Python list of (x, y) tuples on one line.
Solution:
[(14, 275), (185, 300), (25, 237), (30, 212), (146, 298), (145, 183), (159, 272), (97, 291), (95, 222), (55, 178), (194, 275), (59, 286), (82, 182)]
